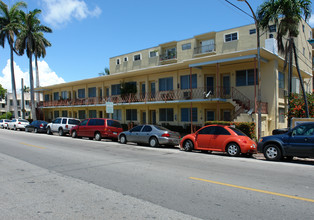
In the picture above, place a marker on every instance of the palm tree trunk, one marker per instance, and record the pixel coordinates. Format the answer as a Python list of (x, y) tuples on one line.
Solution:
[(37, 78), (289, 81), (13, 83), (31, 82), (301, 81)]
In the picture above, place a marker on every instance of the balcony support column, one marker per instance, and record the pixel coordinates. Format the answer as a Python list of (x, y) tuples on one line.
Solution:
[(217, 90), (191, 117)]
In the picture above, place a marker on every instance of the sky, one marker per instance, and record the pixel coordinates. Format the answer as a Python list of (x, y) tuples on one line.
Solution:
[(87, 33)]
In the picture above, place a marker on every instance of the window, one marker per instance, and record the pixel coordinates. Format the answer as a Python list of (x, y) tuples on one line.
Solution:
[(245, 77), (64, 121), (46, 98), (125, 59), (92, 114), (56, 114), (303, 28), (116, 89), (221, 131), (166, 114), (137, 57), (147, 128), (18, 102), (137, 128), (64, 94), (231, 37), (81, 93), (92, 92), (186, 114), (186, 46), (166, 84), (117, 114), (113, 123), (207, 130), (281, 116), (11, 102), (210, 116), (81, 114), (253, 31), (73, 122), (237, 131), (185, 81), (281, 79), (56, 96), (153, 53), (272, 28), (27, 103), (118, 61), (131, 114), (64, 113), (83, 123)]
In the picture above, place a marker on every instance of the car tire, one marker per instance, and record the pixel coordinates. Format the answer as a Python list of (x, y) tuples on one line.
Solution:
[(272, 152), (153, 142), (188, 145), (123, 139), (36, 130), (97, 136), (60, 132), (233, 149), (49, 131), (74, 134)]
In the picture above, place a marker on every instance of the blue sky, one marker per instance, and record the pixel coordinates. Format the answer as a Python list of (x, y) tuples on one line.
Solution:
[(86, 33)]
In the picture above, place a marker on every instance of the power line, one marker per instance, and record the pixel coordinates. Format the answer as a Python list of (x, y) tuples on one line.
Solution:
[(239, 9)]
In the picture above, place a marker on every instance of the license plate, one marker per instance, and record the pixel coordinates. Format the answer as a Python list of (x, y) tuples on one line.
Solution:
[(115, 133)]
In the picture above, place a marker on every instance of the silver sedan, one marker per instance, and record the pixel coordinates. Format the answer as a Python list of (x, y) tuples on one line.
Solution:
[(153, 135)]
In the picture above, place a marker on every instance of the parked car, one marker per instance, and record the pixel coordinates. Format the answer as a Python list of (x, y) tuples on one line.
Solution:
[(297, 142), (62, 125), (153, 135), (17, 124), (280, 131), (3, 123), (97, 128), (6, 124), (219, 138), (37, 126)]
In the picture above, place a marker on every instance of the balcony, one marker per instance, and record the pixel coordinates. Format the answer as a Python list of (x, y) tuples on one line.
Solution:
[(205, 49), (167, 58)]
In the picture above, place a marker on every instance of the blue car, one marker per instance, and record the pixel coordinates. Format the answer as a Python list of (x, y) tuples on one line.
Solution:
[(297, 142)]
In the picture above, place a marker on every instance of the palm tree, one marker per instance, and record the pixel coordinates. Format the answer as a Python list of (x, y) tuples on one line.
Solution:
[(9, 26), (287, 14), (32, 40), (106, 72)]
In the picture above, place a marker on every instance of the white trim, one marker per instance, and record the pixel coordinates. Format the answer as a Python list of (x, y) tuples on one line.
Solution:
[(125, 59), (136, 55), (237, 32), (118, 61), (153, 51)]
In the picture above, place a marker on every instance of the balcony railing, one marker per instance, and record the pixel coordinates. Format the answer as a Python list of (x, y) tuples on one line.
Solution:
[(205, 49), (168, 56), (208, 93)]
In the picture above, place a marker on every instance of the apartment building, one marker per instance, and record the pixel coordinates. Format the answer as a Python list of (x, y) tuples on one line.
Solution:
[(6, 105), (209, 77)]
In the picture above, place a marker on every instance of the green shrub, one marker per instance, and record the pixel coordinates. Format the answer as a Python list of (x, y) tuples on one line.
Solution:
[(7, 115)]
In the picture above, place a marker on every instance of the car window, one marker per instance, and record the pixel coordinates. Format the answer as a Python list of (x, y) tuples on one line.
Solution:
[(161, 128), (21, 120), (136, 129), (99, 122), (221, 131), (57, 121), (113, 123), (1, 121), (237, 131), (303, 130), (91, 122), (83, 123), (207, 130), (147, 128), (74, 122), (64, 121)]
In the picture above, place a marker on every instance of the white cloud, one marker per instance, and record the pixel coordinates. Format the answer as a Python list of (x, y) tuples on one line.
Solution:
[(311, 21), (61, 12), (46, 76)]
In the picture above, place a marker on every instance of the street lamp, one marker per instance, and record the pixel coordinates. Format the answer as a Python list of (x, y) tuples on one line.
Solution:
[(259, 117)]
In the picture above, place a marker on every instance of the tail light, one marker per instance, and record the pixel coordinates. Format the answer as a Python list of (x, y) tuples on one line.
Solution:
[(165, 135), (67, 126), (41, 125)]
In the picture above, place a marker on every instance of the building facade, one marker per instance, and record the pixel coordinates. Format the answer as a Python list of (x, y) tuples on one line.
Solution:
[(209, 77), (6, 105)]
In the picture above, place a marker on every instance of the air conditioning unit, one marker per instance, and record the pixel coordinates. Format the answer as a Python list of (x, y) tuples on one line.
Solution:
[(186, 95)]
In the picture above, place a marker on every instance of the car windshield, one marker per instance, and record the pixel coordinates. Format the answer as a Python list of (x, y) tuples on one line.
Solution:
[(161, 128), (74, 122), (237, 131)]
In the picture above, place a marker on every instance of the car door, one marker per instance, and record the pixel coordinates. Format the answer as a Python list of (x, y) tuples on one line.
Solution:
[(145, 134), (204, 137), (81, 131), (134, 133), (301, 141), (55, 124), (220, 136)]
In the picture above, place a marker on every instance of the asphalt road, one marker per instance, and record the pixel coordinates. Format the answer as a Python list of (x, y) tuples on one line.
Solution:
[(52, 177)]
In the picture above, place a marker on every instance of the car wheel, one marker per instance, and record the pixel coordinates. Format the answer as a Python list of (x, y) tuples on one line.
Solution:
[(49, 131), (188, 145), (153, 142), (61, 133), (97, 136), (74, 134), (233, 149), (123, 139), (272, 152), (36, 130)]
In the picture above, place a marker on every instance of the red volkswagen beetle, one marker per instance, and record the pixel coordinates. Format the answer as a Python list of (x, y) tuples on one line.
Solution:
[(219, 138)]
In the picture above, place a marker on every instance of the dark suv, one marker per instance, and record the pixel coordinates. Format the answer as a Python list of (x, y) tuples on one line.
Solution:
[(298, 142), (97, 128)]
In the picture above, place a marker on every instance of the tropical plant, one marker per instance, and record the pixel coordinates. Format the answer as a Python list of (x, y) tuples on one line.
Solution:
[(106, 72), (3, 91), (297, 105), (9, 29), (32, 40), (26, 89), (287, 14)]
